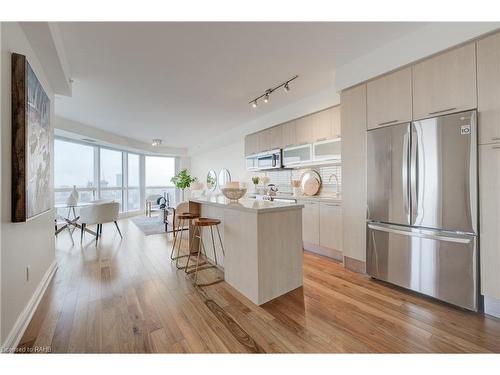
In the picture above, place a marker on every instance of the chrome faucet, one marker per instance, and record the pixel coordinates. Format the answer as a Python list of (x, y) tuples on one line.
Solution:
[(337, 182)]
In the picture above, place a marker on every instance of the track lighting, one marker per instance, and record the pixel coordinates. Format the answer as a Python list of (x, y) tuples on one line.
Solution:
[(156, 142), (268, 92)]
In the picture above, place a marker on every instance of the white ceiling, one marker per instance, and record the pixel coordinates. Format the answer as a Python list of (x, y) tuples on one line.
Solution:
[(188, 82)]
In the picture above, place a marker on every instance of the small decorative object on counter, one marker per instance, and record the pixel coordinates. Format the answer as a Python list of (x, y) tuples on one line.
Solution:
[(233, 191), (296, 188), (272, 190), (255, 181), (310, 182), (265, 180), (73, 197)]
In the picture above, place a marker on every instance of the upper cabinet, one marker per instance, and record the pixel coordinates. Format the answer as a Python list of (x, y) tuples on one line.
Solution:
[(251, 144), (304, 129), (326, 124), (270, 139), (488, 88), (322, 125), (288, 136), (335, 121), (389, 99), (317, 127), (445, 83)]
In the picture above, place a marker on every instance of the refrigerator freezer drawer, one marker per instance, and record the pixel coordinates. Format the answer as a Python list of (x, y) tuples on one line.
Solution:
[(434, 263)]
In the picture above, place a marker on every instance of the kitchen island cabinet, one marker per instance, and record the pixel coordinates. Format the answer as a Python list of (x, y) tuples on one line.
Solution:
[(262, 242)]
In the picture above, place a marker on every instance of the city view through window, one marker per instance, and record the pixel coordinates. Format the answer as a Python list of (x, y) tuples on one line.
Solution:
[(118, 174)]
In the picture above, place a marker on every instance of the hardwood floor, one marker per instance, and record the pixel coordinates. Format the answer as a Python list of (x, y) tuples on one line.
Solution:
[(126, 296)]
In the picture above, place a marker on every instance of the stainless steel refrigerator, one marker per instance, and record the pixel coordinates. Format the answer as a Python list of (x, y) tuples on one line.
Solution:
[(422, 207)]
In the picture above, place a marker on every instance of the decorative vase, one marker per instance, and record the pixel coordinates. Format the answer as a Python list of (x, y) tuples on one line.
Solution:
[(75, 194)]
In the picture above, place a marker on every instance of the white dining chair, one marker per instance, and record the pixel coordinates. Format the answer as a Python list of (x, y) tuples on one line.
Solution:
[(98, 214)]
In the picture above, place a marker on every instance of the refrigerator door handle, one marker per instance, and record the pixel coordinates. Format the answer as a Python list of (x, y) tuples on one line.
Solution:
[(432, 235), (404, 177), (414, 174)]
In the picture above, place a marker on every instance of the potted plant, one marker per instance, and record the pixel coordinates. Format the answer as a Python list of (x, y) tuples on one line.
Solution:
[(255, 180), (183, 180)]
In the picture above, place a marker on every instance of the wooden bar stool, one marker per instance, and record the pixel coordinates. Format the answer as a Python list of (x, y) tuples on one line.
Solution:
[(198, 233), (183, 218)]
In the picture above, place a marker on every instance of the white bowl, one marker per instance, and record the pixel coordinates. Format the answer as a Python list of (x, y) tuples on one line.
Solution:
[(233, 194)]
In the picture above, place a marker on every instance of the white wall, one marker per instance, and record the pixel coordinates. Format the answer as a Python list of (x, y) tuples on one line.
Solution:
[(76, 130), (425, 41), (228, 150), (22, 244), (231, 156), (310, 104)]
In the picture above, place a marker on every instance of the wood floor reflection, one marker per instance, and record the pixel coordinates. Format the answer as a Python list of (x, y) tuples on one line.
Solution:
[(126, 296)]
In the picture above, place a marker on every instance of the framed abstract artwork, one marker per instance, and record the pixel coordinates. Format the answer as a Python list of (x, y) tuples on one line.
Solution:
[(31, 154)]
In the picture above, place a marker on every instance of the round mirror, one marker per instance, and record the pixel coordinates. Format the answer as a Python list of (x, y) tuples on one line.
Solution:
[(224, 177), (211, 180)]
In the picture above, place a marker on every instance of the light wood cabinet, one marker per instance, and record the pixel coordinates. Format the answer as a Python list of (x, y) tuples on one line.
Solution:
[(251, 144), (288, 134), (310, 222), (488, 88), (322, 125), (445, 83), (335, 121), (353, 122), (330, 225), (326, 124), (270, 139), (388, 99), (304, 129), (489, 186)]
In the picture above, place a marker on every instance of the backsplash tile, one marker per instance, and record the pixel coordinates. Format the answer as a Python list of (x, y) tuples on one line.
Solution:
[(283, 178)]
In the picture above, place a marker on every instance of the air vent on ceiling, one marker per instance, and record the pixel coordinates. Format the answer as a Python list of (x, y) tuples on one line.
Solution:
[(88, 140)]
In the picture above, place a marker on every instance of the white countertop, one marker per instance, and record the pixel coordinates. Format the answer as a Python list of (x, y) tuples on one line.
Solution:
[(315, 198), (246, 204)]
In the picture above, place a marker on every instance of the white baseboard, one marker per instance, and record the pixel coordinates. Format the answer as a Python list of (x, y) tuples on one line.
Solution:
[(492, 306), (17, 332)]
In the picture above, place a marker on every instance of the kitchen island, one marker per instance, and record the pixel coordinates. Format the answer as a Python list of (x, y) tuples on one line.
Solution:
[(262, 242)]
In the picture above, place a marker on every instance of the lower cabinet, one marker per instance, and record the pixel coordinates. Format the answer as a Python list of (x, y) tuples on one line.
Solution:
[(322, 228), (330, 225), (489, 185), (310, 222)]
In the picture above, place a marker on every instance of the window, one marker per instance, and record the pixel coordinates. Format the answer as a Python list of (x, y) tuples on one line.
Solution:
[(111, 180), (133, 183), (119, 173), (73, 165), (159, 171)]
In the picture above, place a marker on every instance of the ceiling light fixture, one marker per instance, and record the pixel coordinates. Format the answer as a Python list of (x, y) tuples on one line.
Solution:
[(266, 95), (156, 142)]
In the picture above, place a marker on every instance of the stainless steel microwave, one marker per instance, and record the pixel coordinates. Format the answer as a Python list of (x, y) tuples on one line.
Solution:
[(269, 160)]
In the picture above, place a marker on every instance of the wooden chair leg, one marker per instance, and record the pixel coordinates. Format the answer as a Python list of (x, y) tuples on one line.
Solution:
[(118, 228)]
